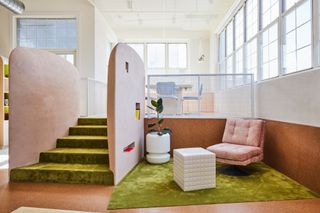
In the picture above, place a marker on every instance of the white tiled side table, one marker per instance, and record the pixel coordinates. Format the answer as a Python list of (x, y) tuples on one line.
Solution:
[(194, 168)]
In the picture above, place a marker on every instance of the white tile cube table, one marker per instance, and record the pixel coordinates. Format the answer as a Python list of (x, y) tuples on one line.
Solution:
[(194, 168)]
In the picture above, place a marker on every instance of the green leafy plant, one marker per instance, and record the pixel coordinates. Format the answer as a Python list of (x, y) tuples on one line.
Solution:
[(156, 125)]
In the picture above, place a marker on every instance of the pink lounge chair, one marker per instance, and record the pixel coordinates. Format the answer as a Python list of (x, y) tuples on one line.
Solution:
[(242, 142)]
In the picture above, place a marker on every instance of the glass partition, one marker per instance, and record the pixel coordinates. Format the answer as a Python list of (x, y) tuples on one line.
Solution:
[(207, 95)]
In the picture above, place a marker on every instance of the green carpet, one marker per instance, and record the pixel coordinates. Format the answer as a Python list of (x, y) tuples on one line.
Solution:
[(81, 157), (153, 186)]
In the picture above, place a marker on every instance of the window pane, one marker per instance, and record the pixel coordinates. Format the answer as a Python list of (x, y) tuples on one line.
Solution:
[(270, 52), (139, 48), (290, 3), (297, 39), (304, 13), (177, 55), (239, 67), (304, 58), (252, 58), (230, 38), (47, 33), (222, 45), (270, 11), (251, 18), (229, 71), (239, 28), (156, 55), (304, 35)]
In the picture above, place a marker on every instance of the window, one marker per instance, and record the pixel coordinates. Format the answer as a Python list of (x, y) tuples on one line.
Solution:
[(270, 52), (297, 50), (251, 18), (270, 11), (139, 48), (289, 3), (229, 71), (156, 55), (230, 38), (47, 33), (252, 58), (239, 67), (239, 27), (222, 45), (54, 34), (177, 55)]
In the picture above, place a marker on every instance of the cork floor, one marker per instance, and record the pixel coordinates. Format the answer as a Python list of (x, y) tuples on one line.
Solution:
[(95, 198)]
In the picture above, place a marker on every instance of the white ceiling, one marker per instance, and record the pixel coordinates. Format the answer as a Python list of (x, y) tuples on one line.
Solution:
[(194, 15)]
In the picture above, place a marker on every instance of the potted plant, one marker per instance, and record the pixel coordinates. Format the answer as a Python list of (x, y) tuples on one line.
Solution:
[(158, 138)]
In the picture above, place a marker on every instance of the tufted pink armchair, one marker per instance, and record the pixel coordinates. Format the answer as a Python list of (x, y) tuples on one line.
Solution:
[(242, 142)]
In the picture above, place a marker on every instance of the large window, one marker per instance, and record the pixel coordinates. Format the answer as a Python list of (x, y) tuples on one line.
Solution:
[(251, 18), (270, 11), (270, 38), (297, 51), (161, 58), (54, 34), (270, 52)]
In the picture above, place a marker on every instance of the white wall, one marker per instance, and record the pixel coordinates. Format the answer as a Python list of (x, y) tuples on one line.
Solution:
[(84, 12), (104, 37), (5, 33), (94, 37), (293, 98), (193, 37)]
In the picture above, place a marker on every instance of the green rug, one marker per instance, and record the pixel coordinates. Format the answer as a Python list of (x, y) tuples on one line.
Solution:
[(153, 186)]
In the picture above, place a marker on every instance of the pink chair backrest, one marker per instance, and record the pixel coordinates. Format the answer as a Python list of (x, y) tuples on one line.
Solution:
[(244, 132)]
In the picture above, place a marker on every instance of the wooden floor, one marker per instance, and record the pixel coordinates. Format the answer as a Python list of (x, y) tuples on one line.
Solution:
[(95, 198)]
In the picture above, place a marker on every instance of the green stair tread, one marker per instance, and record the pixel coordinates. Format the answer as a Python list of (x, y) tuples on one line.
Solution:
[(78, 151), (89, 130), (63, 173), (83, 141), (67, 167), (91, 126), (92, 121), (85, 137)]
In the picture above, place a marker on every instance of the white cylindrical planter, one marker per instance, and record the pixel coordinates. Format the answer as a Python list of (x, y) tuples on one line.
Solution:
[(158, 148)]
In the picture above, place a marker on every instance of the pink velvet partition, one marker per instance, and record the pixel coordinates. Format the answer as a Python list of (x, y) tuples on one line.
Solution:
[(126, 92), (44, 103)]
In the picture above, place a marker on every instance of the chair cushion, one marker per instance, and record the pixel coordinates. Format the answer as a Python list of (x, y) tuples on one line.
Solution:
[(234, 151), (243, 132)]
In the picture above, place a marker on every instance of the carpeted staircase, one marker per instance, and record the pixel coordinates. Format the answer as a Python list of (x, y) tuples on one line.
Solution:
[(80, 157)]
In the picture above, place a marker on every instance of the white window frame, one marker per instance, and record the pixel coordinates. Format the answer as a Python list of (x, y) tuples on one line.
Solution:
[(283, 33), (315, 41)]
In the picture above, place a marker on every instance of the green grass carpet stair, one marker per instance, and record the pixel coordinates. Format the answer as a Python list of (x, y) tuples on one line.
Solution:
[(80, 157)]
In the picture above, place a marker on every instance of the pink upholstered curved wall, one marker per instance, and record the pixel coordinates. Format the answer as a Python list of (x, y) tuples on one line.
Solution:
[(126, 90), (44, 103)]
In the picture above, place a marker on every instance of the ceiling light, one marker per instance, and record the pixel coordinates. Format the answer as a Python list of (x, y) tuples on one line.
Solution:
[(15, 6), (211, 1)]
